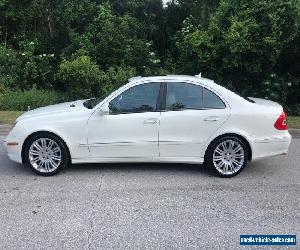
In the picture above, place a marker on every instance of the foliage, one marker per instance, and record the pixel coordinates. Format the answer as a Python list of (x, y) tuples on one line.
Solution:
[(81, 77), (113, 40), (115, 77), (86, 48), (33, 98), (23, 69), (243, 41)]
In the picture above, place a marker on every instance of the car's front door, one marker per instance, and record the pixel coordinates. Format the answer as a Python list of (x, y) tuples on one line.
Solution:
[(192, 114), (131, 127)]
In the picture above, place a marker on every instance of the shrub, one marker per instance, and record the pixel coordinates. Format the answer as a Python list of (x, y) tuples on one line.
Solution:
[(20, 100), (81, 77), (115, 77), (23, 69), (293, 109), (9, 65)]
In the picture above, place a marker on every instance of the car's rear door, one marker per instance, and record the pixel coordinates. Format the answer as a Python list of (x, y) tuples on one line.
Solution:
[(192, 114)]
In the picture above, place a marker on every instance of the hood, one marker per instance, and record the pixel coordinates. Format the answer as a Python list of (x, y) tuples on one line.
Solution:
[(53, 109)]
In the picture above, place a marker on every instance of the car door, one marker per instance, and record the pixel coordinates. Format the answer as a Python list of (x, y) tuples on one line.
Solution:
[(131, 127), (192, 114)]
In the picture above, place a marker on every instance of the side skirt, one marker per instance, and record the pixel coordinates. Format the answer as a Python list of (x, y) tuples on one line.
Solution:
[(190, 160)]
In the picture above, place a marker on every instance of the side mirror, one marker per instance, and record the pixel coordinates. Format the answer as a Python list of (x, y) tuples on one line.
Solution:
[(104, 110)]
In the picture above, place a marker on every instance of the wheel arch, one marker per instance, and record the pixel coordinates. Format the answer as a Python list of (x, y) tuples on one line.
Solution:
[(43, 132), (239, 136)]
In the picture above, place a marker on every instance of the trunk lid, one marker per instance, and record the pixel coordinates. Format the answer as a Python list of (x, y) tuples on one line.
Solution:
[(276, 107)]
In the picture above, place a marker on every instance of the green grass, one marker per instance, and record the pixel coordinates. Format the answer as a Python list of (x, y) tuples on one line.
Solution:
[(293, 121), (9, 117)]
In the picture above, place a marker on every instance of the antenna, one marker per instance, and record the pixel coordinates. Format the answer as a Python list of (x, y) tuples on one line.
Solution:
[(198, 75)]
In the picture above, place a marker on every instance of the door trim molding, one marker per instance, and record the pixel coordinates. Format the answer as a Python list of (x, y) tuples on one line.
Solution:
[(121, 143)]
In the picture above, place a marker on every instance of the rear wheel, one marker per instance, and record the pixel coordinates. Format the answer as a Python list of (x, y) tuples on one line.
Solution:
[(227, 156), (46, 154)]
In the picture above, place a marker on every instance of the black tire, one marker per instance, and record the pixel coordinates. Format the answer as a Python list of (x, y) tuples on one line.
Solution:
[(209, 156), (64, 153)]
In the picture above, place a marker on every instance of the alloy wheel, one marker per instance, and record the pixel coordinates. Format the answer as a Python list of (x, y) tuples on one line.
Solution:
[(45, 155), (228, 157)]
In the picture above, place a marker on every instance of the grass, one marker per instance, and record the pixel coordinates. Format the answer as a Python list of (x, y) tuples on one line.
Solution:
[(8, 117), (293, 121)]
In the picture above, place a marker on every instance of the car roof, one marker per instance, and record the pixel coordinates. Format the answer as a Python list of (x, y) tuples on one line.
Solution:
[(183, 78)]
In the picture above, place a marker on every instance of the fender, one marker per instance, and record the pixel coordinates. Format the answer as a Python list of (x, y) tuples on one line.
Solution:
[(240, 133)]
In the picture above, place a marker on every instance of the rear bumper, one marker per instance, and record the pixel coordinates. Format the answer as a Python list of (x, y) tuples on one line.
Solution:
[(265, 147)]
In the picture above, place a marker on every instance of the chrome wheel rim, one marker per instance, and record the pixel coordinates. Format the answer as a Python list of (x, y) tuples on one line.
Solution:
[(228, 157), (45, 155)]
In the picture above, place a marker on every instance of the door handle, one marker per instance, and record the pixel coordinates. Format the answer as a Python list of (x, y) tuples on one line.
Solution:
[(151, 121), (211, 119)]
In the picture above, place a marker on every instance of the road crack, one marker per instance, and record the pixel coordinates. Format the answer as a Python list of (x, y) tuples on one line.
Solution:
[(90, 218)]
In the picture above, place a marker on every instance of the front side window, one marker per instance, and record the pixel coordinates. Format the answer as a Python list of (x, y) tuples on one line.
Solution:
[(183, 96), (140, 98)]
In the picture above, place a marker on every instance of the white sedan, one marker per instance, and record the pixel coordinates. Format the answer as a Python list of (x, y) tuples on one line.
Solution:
[(182, 119)]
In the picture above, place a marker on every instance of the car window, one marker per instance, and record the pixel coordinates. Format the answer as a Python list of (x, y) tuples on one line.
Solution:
[(183, 96), (140, 98), (211, 100)]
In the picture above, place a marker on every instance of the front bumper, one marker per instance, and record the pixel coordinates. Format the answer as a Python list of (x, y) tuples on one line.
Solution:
[(14, 152)]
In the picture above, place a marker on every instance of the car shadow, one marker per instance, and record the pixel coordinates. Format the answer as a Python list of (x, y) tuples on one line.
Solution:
[(253, 169), (140, 167), (9, 168), (264, 168), (258, 169)]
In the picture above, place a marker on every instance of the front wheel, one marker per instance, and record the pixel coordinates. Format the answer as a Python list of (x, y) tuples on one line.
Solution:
[(46, 154), (227, 156)]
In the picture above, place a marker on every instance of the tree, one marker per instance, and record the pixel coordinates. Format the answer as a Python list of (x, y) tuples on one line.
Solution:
[(243, 41), (81, 77), (251, 46), (115, 41)]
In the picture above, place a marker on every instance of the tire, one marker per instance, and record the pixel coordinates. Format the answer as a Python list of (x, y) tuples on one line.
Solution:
[(227, 156), (46, 154)]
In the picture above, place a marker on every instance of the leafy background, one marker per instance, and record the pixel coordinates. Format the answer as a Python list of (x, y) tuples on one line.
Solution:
[(58, 50)]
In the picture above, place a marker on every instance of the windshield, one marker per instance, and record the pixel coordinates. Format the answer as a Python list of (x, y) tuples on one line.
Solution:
[(93, 102)]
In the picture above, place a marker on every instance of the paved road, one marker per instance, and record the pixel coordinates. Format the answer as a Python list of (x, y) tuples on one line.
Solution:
[(147, 206)]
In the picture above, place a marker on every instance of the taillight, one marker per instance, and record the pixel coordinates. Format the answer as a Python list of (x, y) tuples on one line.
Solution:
[(280, 124)]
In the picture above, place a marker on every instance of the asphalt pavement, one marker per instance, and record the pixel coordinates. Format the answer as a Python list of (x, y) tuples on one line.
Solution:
[(148, 206)]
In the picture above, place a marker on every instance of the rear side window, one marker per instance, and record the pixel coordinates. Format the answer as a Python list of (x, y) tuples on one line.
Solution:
[(211, 100), (190, 96), (183, 96)]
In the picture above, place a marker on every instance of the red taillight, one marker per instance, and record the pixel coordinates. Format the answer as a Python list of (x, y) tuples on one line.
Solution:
[(280, 124)]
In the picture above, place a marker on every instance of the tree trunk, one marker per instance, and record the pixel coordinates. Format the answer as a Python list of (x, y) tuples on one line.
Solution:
[(49, 23)]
